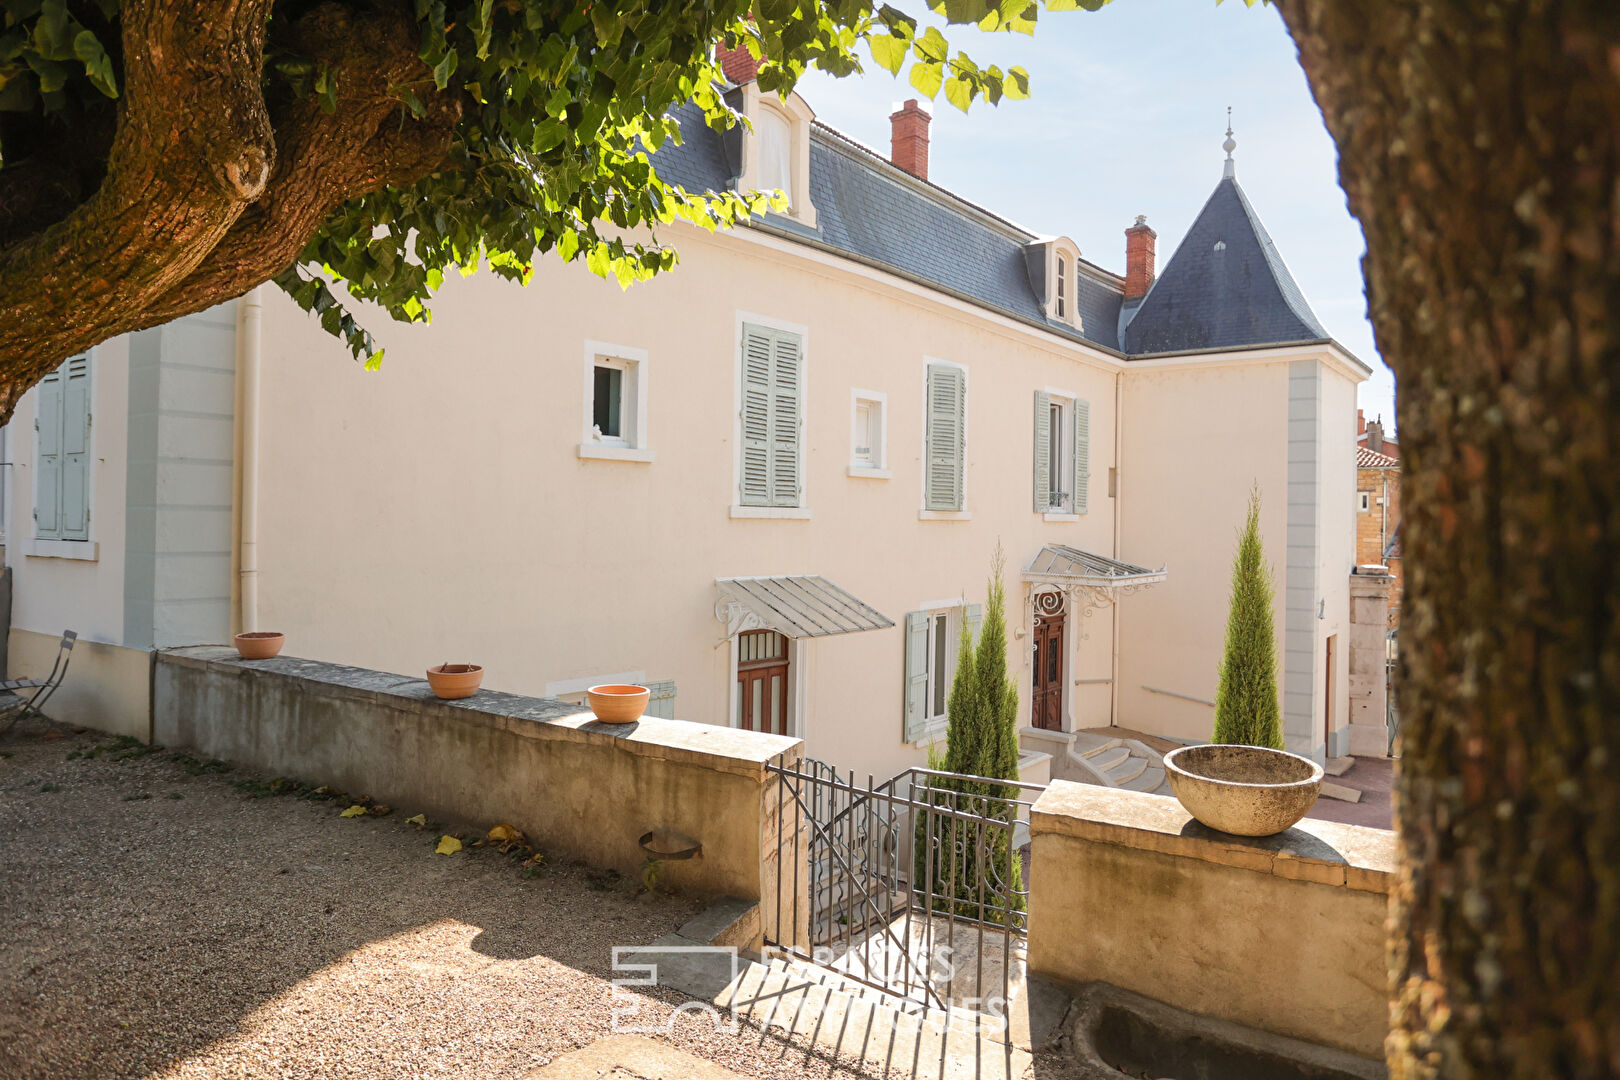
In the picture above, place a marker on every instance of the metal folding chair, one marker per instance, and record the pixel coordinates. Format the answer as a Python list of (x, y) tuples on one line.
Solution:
[(42, 688)]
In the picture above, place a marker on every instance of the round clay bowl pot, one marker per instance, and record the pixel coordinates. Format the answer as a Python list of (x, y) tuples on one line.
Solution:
[(618, 703), (451, 681), (260, 644), (1243, 790)]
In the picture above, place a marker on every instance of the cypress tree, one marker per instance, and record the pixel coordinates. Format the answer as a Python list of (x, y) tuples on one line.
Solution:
[(1246, 705)]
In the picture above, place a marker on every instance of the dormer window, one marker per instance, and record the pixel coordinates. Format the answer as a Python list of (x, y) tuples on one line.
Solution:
[(1054, 267), (1062, 311), (776, 153)]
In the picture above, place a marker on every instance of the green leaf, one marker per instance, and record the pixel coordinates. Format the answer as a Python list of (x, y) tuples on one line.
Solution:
[(889, 51), (97, 64), (959, 92), (926, 78), (445, 68)]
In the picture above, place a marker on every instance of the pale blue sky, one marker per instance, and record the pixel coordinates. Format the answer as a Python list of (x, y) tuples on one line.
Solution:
[(1126, 116)]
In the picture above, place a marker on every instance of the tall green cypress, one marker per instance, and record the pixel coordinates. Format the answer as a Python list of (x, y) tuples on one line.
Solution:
[(1246, 705), (981, 740)]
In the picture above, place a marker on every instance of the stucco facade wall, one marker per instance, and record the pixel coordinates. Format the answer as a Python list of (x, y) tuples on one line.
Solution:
[(437, 509)]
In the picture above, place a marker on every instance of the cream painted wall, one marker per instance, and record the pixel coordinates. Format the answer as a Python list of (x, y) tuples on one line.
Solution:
[(437, 510), (1337, 543), (1195, 440), (55, 594)]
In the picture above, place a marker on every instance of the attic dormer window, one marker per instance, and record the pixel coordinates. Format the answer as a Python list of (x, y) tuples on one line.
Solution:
[(1062, 307), (776, 153)]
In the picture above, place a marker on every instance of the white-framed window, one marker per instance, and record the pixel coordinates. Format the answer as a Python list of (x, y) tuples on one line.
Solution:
[(932, 642), (1062, 453), (1062, 270), (1062, 305), (615, 409), (776, 152), (944, 440), (1364, 502), (868, 433), (771, 362)]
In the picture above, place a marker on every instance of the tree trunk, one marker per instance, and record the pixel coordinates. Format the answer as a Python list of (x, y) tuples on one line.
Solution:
[(1480, 148)]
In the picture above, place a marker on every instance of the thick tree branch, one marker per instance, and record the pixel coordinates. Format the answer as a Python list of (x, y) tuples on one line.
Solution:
[(193, 147)]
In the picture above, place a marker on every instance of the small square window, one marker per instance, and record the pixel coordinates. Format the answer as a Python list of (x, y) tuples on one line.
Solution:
[(866, 435), (1364, 501)]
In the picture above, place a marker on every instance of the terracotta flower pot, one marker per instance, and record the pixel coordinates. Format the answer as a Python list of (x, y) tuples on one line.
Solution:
[(451, 681), (260, 644), (618, 703), (1243, 790)]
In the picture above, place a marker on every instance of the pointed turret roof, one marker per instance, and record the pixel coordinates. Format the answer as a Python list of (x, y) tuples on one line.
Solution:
[(1226, 287)]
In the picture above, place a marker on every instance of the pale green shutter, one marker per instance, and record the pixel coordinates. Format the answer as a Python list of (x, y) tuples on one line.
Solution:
[(756, 417), (916, 675), (946, 438), (786, 418), (1082, 454), (1043, 451), (48, 482), (661, 699), (973, 617), (75, 502)]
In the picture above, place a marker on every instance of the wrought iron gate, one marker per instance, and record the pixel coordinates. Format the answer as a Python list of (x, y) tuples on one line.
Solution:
[(893, 883)]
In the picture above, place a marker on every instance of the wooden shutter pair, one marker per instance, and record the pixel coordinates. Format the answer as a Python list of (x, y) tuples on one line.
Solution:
[(1082, 453), (62, 506), (916, 666), (944, 481), (772, 416)]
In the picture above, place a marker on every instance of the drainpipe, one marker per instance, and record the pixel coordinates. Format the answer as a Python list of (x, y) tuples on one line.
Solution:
[(249, 313), (1119, 495)]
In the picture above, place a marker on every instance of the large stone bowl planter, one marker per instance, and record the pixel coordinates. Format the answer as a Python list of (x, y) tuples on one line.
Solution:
[(1243, 790)]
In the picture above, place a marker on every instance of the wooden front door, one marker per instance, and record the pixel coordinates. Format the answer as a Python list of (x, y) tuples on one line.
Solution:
[(762, 681), (1047, 680)]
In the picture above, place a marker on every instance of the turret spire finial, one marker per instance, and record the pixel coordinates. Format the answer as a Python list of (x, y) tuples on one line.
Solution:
[(1229, 145)]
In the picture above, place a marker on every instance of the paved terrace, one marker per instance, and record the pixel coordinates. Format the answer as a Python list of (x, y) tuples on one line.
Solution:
[(161, 918)]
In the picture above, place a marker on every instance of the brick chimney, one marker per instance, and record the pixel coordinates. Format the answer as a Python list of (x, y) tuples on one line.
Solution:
[(1375, 436), (1139, 258), (738, 64), (1361, 423), (909, 138)]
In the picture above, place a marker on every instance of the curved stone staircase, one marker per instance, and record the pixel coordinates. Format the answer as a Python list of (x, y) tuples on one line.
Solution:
[(1091, 758)]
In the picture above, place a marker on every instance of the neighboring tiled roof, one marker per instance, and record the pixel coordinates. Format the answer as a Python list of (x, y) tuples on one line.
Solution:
[(1366, 459), (1225, 287), (868, 209)]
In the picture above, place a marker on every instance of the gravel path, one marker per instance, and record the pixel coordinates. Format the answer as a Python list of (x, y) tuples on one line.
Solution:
[(162, 917)]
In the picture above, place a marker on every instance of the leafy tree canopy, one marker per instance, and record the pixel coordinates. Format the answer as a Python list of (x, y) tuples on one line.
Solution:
[(214, 144)]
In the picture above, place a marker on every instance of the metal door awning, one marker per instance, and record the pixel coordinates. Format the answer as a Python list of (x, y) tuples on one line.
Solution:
[(799, 605), (1059, 564)]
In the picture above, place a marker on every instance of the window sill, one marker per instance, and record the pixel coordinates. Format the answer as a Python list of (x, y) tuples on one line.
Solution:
[(796, 513), (866, 472), (1060, 517), (614, 453), (944, 515), (82, 550), (933, 731)]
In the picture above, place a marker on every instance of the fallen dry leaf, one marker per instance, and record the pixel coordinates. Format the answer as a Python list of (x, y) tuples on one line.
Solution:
[(448, 845), (503, 832), (379, 810), (354, 811), (420, 821)]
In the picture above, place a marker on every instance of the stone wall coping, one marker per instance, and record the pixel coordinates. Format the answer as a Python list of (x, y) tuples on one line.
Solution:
[(708, 745), (1324, 852)]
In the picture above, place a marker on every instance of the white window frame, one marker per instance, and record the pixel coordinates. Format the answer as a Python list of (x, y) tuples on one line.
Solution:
[(935, 724), (1063, 256), (964, 514), (632, 443), (738, 510), (1065, 400), (1363, 502), (878, 467), (799, 116), (88, 549)]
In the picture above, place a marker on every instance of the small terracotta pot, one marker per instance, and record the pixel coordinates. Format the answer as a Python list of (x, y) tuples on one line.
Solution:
[(618, 703), (260, 644), (451, 681)]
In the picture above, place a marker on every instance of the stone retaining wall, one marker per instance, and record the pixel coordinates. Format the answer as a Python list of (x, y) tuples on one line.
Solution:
[(1285, 933), (579, 788)]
